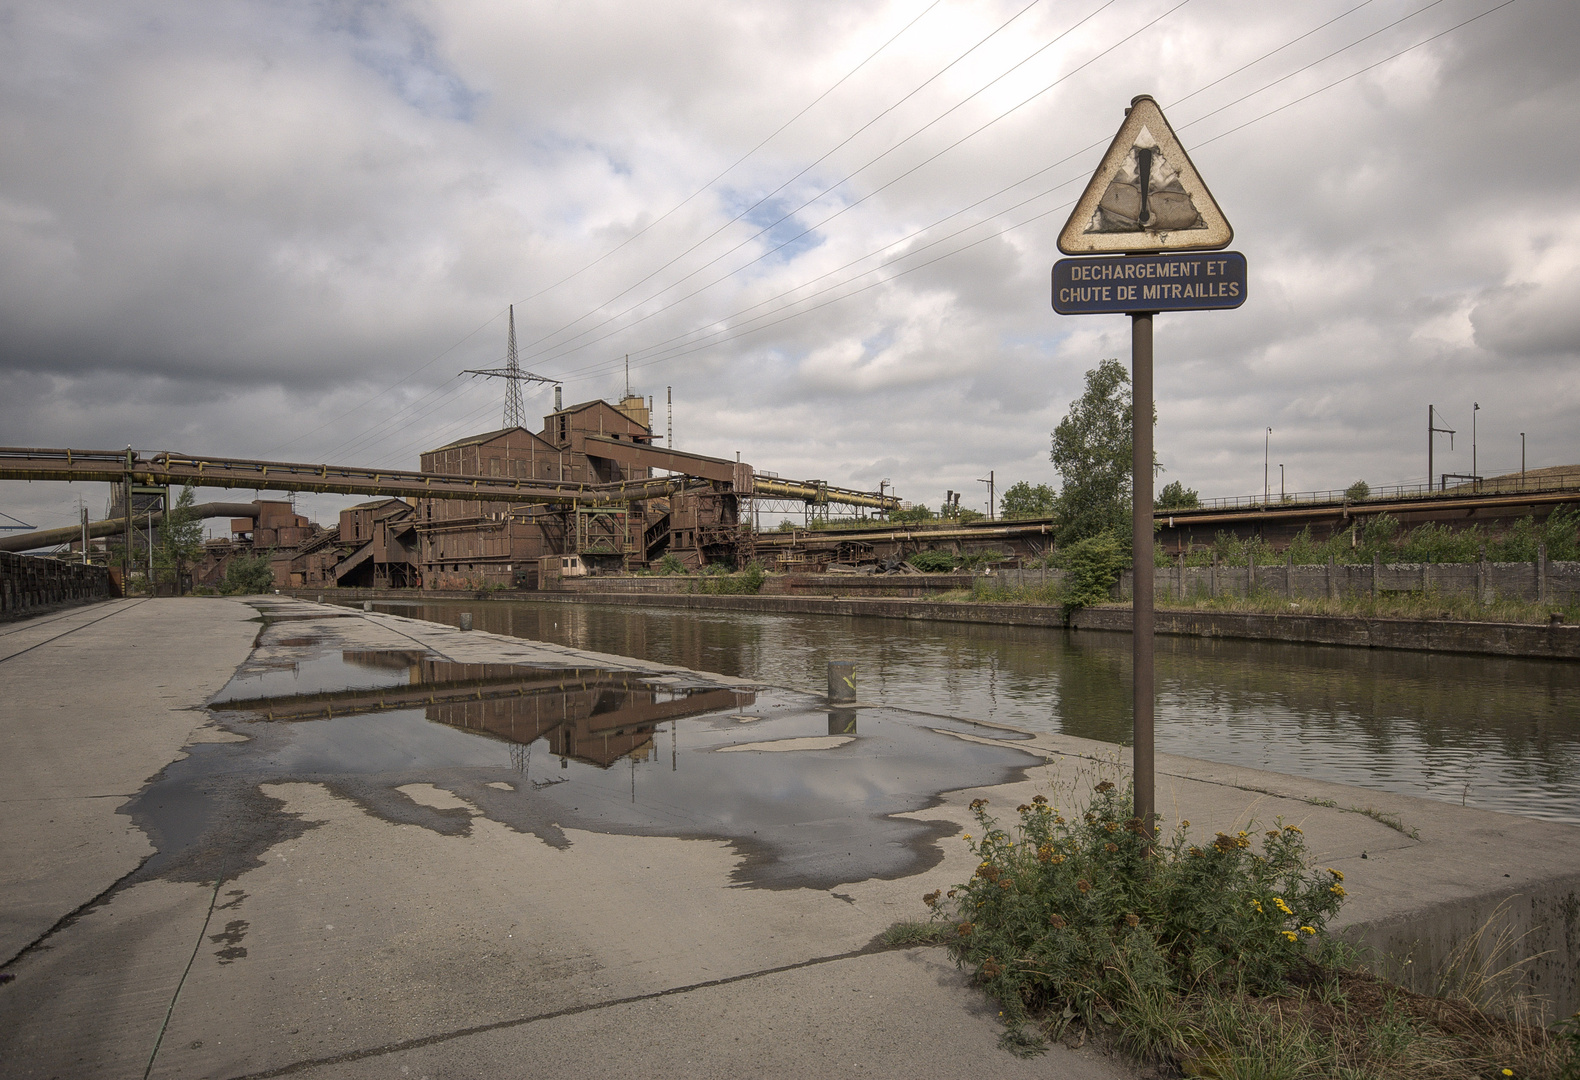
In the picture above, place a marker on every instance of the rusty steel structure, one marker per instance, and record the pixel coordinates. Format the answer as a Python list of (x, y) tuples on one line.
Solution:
[(480, 512)]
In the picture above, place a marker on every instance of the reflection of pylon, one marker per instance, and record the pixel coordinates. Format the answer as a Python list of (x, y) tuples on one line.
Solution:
[(520, 757)]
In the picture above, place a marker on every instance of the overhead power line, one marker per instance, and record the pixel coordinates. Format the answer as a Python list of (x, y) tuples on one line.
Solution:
[(733, 332)]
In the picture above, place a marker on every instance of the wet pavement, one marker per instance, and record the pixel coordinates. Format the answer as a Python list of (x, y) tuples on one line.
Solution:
[(807, 795), (393, 848)]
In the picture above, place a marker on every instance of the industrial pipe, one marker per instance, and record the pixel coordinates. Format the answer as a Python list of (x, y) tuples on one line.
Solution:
[(50, 537)]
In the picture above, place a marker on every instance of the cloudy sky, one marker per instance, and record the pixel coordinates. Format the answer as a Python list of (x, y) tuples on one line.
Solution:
[(282, 229)]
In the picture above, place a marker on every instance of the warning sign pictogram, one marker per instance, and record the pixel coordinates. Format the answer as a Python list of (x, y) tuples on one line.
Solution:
[(1145, 195)]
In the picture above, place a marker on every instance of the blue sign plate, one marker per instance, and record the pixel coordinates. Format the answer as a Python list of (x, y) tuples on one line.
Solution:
[(1122, 284)]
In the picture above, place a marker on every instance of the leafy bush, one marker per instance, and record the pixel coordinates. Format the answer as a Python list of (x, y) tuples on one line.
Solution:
[(1359, 491), (933, 562), (716, 580), (1093, 565), (977, 559), (670, 564), (248, 574), (1094, 917)]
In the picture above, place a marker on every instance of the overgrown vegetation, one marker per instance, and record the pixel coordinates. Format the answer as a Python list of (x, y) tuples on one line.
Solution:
[(933, 562), (1214, 959), (1382, 537), (1264, 601), (248, 574), (1091, 567), (944, 562), (717, 579), (670, 564), (1092, 917)]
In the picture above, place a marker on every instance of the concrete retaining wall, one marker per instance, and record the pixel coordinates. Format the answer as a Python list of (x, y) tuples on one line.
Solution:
[(1497, 639), (1539, 923), (1435, 635), (1541, 581), (877, 585), (28, 583)]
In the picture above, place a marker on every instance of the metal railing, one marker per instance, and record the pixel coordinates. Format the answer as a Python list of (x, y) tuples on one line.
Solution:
[(1567, 480)]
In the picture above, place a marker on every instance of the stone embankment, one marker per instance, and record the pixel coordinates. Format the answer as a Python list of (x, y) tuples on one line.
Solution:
[(1559, 641)]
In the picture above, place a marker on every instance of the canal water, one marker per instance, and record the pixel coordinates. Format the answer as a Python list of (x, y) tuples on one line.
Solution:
[(1499, 734)]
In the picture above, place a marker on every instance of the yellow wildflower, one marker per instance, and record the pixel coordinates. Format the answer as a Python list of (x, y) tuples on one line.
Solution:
[(1290, 934), (1336, 890), (1308, 930), (1337, 875)]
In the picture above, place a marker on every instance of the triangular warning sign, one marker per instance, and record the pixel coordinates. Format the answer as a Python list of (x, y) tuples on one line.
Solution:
[(1145, 195)]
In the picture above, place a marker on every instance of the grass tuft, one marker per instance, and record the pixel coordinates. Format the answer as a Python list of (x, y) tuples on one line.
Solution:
[(906, 933)]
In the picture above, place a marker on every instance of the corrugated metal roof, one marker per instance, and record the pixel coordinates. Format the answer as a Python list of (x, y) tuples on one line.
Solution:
[(486, 437)]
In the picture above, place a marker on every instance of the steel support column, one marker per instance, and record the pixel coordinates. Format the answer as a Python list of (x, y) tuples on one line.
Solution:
[(1142, 598)]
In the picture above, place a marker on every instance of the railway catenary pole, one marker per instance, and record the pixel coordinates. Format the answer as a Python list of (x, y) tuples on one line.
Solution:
[(126, 509)]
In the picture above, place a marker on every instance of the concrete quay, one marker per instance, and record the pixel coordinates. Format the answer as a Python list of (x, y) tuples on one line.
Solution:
[(197, 893), (1552, 641)]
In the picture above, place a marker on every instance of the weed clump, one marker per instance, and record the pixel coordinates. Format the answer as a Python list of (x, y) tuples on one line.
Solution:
[(1215, 957), (1091, 917)]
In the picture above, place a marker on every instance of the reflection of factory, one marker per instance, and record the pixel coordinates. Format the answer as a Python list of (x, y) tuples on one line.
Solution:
[(599, 722), (592, 715)]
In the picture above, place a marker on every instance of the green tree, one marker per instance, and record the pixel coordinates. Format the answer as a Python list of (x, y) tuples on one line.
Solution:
[(1176, 496), (915, 515), (247, 574), (180, 536), (1092, 451), (1358, 491), (1022, 500)]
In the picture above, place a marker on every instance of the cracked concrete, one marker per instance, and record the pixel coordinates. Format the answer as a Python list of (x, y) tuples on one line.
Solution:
[(359, 945)]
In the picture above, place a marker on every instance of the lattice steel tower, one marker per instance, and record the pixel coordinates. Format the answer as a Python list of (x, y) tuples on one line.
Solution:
[(513, 376)]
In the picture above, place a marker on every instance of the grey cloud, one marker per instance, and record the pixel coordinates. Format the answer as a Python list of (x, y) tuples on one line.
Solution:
[(226, 228)]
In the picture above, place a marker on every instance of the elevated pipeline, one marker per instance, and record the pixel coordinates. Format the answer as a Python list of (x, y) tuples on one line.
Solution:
[(43, 538)]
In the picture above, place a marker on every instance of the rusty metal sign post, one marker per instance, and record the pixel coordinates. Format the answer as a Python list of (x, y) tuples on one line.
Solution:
[(1147, 217)]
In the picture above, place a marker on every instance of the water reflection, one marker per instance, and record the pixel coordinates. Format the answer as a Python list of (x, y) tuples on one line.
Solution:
[(591, 715), (1487, 731)]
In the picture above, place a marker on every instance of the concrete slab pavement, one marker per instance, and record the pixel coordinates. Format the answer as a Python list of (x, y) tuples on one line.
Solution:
[(97, 700), (361, 944)]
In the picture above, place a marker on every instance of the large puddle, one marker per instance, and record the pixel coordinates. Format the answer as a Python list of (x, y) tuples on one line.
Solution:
[(806, 793)]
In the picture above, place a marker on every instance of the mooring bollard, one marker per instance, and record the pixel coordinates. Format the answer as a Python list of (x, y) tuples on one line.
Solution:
[(841, 681), (466, 620), (320, 599), (367, 605)]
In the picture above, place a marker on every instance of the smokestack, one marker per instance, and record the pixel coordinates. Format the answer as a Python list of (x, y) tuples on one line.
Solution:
[(557, 405)]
